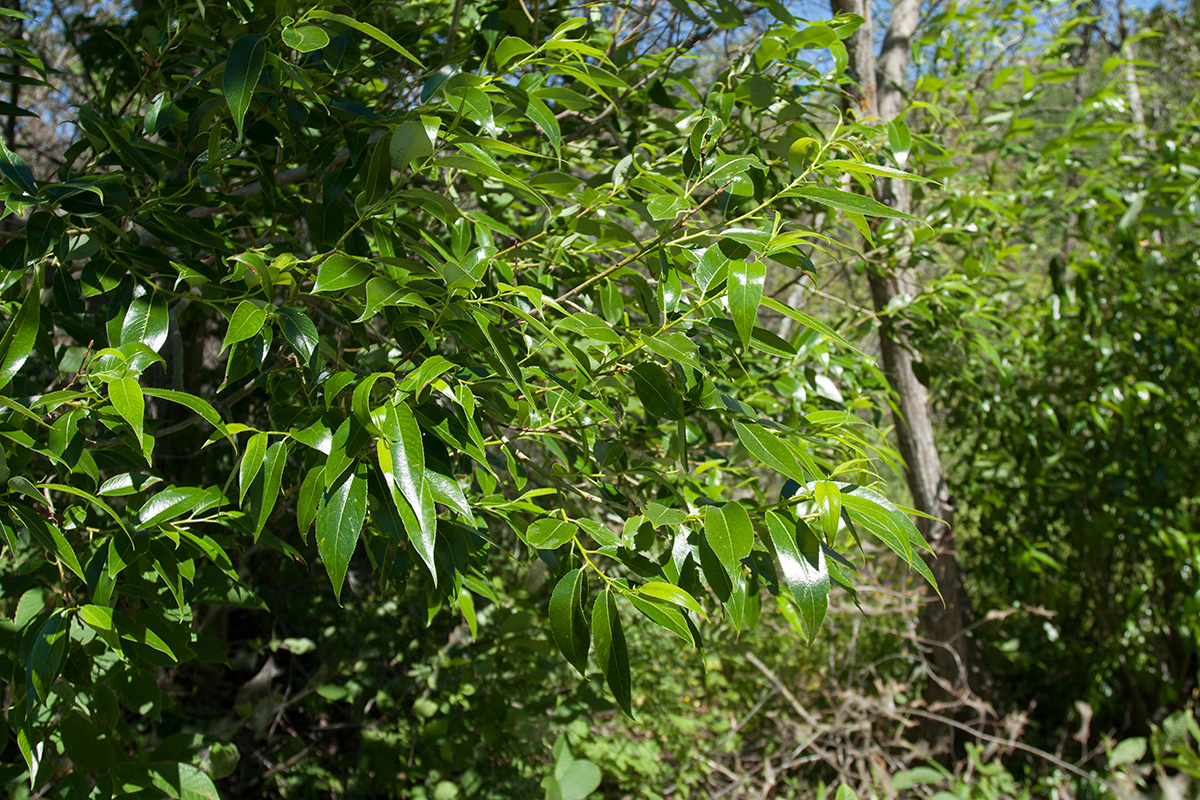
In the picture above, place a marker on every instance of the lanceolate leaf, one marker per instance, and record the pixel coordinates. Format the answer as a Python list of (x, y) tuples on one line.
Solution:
[(363, 27), (611, 652), (802, 567), (19, 337), (242, 70), (299, 331), (729, 534), (410, 143), (568, 623), (340, 271), (746, 280), (127, 399), (772, 451), (251, 462), (248, 319), (848, 202), (656, 391), (340, 517), (272, 481), (549, 533)]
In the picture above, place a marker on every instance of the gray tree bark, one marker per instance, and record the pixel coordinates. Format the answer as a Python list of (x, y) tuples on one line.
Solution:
[(880, 93)]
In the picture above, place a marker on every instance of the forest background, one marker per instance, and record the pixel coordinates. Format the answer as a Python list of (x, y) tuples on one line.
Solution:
[(710, 399)]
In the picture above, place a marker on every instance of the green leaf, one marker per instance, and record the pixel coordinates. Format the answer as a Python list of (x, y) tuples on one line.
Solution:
[(200, 406), (802, 567), (507, 360), (730, 535), (550, 532), (773, 451), (243, 67), (340, 517), (900, 140), (611, 652), (182, 781), (544, 118), (20, 336), (363, 27), (672, 594), (340, 271), (299, 331), (311, 490), (306, 38), (675, 346), (46, 657), (510, 48), (656, 391), (808, 322), (887, 526), (829, 504), (126, 397), (666, 616), (13, 167), (146, 320), (271, 483), (746, 279), (48, 535), (848, 202), (863, 168), (568, 623), (172, 502), (410, 143), (251, 462), (248, 319), (446, 491), (402, 462)]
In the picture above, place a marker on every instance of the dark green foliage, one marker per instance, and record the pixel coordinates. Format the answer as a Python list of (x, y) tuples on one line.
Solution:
[(473, 296)]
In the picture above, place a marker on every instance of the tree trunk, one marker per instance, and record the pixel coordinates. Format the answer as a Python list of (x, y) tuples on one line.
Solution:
[(880, 94)]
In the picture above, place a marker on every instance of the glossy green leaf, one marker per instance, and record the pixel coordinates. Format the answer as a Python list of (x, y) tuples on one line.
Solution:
[(311, 490), (340, 271), (828, 498), (340, 517), (299, 331), (746, 279), (248, 319), (252, 459), (410, 143), (272, 482), (510, 48), (13, 167), (243, 67), (612, 655), (900, 140), (671, 594), (46, 657), (19, 337), (200, 406), (802, 567), (170, 503), (127, 398), (665, 615), (656, 391), (568, 622), (305, 38), (146, 320), (863, 168), (363, 27), (848, 202), (729, 533), (446, 491), (550, 532), (773, 451)]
